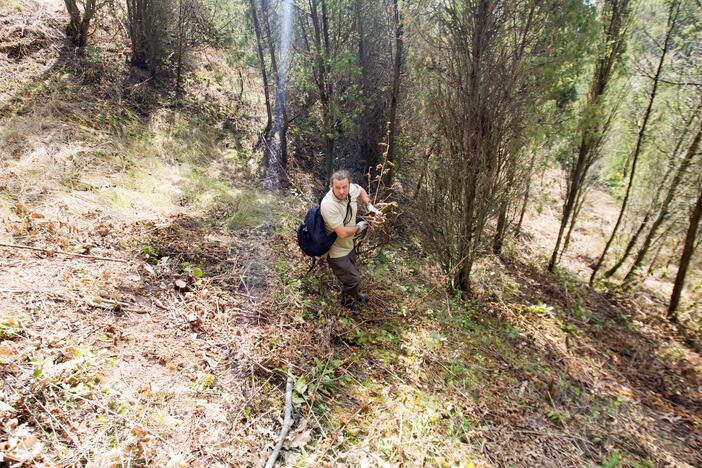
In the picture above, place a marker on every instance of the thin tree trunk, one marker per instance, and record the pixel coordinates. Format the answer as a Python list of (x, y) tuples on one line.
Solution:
[(264, 73), (269, 149), (672, 18), (88, 13), (427, 154), (499, 238), (179, 51), (663, 211), (571, 194), (525, 200), (469, 233), (329, 89), (654, 260), (655, 203), (659, 244), (613, 40), (463, 279), (522, 212), (687, 252), (322, 78), (397, 71), (579, 202), (364, 143), (629, 246), (269, 35)]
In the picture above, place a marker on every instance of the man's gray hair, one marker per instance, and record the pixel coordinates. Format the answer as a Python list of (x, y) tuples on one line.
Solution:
[(341, 174)]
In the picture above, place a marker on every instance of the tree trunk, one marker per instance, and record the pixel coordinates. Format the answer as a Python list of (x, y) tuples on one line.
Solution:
[(270, 42), (630, 245), (420, 180), (655, 204), (499, 238), (88, 13), (73, 28), (579, 202), (269, 35), (397, 71), (525, 199), (264, 74), (672, 18), (180, 44), (592, 134), (574, 187), (663, 211), (323, 86), (687, 252), (78, 26)]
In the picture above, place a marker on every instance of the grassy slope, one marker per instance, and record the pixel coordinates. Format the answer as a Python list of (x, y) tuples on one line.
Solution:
[(109, 363)]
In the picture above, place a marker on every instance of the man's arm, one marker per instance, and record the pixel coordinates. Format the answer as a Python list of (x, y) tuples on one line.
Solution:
[(342, 232), (365, 199)]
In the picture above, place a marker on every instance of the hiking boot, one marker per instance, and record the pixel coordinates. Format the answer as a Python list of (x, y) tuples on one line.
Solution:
[(348, 303), (362, 298)]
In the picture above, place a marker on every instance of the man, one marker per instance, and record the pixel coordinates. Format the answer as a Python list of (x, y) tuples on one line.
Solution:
[(339, 207)]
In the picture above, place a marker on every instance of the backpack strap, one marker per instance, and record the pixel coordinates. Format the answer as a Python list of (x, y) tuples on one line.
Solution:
[(349, 211), (314, 263)]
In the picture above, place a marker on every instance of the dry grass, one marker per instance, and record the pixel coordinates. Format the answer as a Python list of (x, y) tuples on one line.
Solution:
[(179, 356)]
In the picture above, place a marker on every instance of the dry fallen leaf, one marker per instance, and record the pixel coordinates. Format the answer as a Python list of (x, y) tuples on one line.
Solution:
[(177, 460), (112, 459), (23, 446), (5, 410), (7, 352), (301, 439), (138, 431)]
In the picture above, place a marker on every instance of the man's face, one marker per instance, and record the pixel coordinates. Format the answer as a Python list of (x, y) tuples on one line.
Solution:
[(340, 188)]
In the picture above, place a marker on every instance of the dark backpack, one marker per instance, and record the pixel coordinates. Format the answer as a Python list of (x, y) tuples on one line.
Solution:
[(312, 238)]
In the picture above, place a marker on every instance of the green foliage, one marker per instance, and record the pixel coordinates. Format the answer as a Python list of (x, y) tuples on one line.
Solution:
[(73, 393), (613, 460), (149, 252), (77, 376), (540, 309), (192, 271), (557, 417), (10, 329), (513, 332), (205, 382), (248, 210), (322, 379)]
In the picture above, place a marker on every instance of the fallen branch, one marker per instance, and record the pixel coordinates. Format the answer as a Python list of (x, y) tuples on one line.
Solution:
[(108, 304), (287, 422), (95, 257)]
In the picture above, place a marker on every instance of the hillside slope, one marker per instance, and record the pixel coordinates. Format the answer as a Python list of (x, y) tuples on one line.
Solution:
[(166, 338)]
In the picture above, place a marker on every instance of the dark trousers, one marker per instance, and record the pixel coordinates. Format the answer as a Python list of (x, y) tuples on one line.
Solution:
[(346, 270)]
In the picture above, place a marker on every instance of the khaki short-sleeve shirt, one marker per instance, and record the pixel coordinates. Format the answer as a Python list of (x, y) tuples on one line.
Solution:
[(333, 212)]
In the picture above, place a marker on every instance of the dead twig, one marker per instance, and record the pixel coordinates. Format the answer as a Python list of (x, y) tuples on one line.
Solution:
[(94, 257), (287, 421), (108, 304)]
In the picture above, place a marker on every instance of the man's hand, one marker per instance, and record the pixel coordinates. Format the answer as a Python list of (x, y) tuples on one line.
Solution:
[(372, 209), (362, 226)]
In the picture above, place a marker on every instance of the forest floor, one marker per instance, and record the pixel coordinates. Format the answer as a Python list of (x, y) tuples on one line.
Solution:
[(166, 340)]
